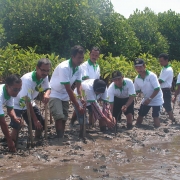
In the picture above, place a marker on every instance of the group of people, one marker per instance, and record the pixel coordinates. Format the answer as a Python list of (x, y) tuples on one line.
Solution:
[(80, 83)]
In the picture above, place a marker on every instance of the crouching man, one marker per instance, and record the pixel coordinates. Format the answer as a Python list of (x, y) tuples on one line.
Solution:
[(9, 90), (147, 83), (95, 89), (121, 94), (32, 84)]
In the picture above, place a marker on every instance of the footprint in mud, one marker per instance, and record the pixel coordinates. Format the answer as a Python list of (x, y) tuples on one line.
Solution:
[(74, 177)]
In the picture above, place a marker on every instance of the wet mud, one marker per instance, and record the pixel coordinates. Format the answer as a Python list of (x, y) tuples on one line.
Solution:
[(142, 152)]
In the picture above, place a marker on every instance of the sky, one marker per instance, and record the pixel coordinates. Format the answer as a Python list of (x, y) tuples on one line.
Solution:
[(127, 7)]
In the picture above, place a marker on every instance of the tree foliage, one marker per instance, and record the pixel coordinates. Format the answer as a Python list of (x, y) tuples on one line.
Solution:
[(169, 26), (145, 25), (119, 36), (2, 35)]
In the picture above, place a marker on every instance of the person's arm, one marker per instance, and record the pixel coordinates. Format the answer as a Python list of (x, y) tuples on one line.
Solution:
[(148, 100), (73, 98), (46, 96), (128, 103), (111, 107), (5, 131), (12, 115), (155, 84), (37, 123), (132, 95)]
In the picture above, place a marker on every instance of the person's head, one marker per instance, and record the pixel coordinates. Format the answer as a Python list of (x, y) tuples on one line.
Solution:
[(163, 59), (77, 55), (13, 85), (140, 66), (99, 86), (117, 78), (43, 68), (94, 54)]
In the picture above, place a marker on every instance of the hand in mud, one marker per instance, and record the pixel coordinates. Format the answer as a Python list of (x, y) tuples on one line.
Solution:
[(11, 145), (124, 108), (110, 123), (38, 125), (45, 99), (146, 102)]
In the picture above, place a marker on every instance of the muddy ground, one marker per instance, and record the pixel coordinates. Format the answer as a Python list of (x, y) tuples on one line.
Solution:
[(140, 153)]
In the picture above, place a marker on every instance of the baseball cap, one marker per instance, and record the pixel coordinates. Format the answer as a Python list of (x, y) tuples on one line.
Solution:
[(99, 86), (139, 62), (116, 74)]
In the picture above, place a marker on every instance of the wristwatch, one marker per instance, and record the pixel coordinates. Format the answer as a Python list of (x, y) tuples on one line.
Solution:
[(150, 98)]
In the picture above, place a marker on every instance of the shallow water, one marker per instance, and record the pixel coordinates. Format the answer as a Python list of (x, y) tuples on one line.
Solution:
[(155, 161)]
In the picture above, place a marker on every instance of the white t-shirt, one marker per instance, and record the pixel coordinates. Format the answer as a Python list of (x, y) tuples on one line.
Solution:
[(89, 70), (31, 87), (166, 76), (90, 96), (63, 74), (178, 79), (125, 91), (147, 87), (5, 99)]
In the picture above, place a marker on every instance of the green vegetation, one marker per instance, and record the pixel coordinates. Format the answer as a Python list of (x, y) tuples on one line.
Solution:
[(54, 26), (14, 59), (30, 30)]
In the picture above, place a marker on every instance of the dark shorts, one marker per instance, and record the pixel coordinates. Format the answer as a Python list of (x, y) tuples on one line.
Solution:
[(23, 113), (118, 103), (167, 99), (143, 111)]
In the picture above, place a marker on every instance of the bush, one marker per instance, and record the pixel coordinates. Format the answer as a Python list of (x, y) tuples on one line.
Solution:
[(16, 60)]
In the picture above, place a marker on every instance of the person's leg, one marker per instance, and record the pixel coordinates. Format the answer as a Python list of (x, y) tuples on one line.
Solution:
[(91, 118), (129, 113), (38, 133), (142, 112), (117, 108), (65, 105), (73, 118), (56, 108), (155, 115), (167, 104), (129, 118), (15, 125)]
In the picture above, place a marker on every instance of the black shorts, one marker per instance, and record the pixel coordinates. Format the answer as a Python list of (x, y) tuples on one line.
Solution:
[(167, 99), (118, 103), (23, 113), (89, 109), (145, 109)]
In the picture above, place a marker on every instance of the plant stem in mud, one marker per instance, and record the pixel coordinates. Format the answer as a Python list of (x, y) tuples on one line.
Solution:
[(30, 134), (84, 125), (46, 119)]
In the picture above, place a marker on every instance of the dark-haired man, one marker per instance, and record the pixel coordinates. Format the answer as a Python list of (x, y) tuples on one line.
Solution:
[(9, 90), (32, 84), (90, 70), (165, 80), (95, 89), (121, 94), (147, 83), (64, 75)]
